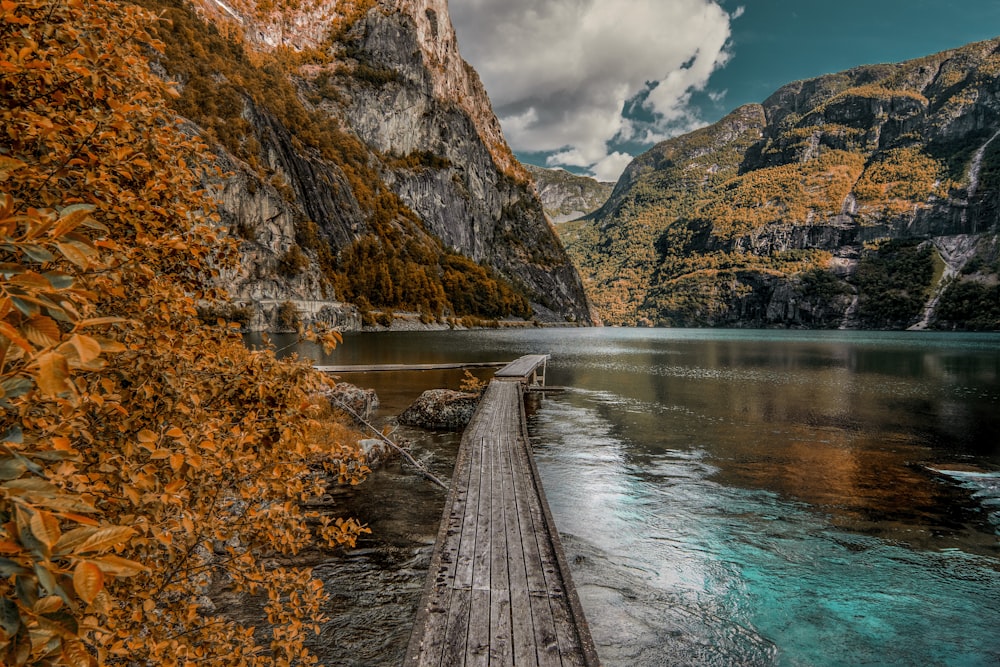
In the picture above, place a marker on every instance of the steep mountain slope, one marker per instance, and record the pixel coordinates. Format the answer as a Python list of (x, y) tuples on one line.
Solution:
[(567, 196), (365, 165), (867, 198)]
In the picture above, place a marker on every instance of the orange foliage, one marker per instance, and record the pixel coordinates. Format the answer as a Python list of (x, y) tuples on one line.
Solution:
[(145, 457)]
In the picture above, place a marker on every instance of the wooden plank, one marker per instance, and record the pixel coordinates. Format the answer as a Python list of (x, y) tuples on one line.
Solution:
[(576, 646), (477, 651), (522, 619), (500, 622), (530, 516), (435, 616), (457, 631)]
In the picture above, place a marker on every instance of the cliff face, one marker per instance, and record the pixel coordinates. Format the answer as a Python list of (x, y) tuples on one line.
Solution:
[(567, 196), (467, 187), (367, 171), (867, 198)]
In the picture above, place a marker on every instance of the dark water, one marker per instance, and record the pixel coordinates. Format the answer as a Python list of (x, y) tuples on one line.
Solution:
[(731, 497)]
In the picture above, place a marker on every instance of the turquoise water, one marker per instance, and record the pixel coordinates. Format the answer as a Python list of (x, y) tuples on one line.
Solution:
[(760, 498)]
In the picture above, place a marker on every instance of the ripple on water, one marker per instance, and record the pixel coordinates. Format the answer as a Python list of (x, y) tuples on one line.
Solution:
[(674, 567)]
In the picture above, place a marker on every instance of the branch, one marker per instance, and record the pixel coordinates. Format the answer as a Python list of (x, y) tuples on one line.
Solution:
[(423, 471)]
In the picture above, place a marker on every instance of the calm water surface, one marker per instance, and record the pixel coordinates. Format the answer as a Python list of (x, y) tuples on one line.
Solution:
[(726, 497)]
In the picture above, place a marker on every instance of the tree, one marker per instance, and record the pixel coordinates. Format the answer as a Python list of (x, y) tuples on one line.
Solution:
[(145, 457)]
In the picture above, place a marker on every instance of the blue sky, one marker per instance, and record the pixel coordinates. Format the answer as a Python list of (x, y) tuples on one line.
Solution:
[(588, 84)]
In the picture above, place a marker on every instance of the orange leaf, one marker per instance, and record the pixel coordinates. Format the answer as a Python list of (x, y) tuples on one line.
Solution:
[(45, 527), (117, 566), (12, 334), (8, 547), (145, 435), (88, 348), (104, 538), (53, 374), (73, 216), (73, 253), (73, 538), (176, 461), (41, 330), (99, 321), (48, 604), (88, 580)]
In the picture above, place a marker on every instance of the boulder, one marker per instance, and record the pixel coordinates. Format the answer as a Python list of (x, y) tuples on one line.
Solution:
[(441, 409), (363, 402)]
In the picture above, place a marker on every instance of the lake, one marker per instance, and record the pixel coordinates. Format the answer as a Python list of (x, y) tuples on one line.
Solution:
[(724, 496)]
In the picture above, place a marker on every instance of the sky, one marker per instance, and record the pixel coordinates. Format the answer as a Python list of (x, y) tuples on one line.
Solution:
[(588, 84)]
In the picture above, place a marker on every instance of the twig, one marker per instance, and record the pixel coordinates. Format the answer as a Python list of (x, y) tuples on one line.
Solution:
[(423, 471)]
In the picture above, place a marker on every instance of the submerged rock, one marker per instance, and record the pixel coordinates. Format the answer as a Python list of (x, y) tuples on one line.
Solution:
[(441, 409)]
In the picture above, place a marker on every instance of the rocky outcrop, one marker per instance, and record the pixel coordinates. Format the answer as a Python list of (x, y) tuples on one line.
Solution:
[(567, 196), (354, 175), (441, 409), (454, 168), (834, 203), (356, 401)]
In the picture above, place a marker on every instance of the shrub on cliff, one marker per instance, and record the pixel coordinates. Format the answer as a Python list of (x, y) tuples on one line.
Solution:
[(143, 454)]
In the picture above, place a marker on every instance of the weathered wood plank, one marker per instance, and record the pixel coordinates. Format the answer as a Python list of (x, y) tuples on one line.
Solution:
[(500, 622), (477, 650), (522, 618), (457, 631), (530, 516), (576, 647)]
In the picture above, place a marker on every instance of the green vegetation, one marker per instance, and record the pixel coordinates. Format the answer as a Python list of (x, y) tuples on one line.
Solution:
[(894, 282), (971, 305)]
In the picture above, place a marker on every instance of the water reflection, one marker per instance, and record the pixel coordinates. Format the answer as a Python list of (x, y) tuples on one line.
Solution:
[(683, 568)]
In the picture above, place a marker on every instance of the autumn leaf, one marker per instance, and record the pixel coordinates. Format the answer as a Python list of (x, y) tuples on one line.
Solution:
[(53, 374), (103, 538), (118, 566), (86, 347), (45, 528), (41, 330), (88, 580)]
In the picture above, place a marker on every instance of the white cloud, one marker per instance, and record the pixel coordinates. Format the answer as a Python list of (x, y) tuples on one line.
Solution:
[(611, 167), (560, 72)]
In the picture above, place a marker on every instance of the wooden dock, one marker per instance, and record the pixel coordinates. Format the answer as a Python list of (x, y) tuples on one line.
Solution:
[(498, 590)]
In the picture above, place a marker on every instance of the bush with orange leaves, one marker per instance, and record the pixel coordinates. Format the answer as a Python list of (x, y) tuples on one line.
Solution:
[(143, 455)]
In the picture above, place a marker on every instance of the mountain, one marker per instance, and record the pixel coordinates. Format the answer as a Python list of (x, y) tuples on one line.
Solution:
[(567, 196), (868, 198), (364, 169)]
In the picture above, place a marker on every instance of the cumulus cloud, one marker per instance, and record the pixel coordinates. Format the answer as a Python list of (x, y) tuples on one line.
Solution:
[(561, 73)]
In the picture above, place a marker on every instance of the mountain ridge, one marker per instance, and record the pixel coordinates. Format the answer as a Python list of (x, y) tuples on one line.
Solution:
[(368, 173), (800, 211)]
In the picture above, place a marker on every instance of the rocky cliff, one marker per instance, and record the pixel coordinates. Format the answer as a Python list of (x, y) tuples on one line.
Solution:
[(366, 170), (867, 198), (567, 196)]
